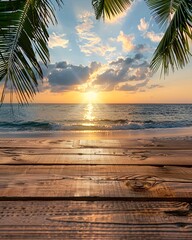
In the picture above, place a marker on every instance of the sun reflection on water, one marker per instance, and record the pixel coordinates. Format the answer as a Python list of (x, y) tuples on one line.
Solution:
[(88, 116)]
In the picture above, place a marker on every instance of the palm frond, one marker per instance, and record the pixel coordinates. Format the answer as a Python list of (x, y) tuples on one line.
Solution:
[(173, 50), (23, 43), (162, 10), (109, 8)]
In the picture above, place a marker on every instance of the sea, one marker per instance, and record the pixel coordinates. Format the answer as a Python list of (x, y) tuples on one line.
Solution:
[(93, 117)]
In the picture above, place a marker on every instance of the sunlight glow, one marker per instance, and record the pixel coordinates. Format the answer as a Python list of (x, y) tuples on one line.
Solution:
[(89, 114), (91, 96)]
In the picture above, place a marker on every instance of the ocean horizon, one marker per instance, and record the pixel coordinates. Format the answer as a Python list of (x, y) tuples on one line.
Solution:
[(91, 116)]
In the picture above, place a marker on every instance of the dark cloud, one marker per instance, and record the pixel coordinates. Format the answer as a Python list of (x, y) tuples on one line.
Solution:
[(136, 87), (61, 65), (128, 61), (64, 77), (138, 56), (125, 74), (141, 48), (124, 70), (107, 80), (94, 66)]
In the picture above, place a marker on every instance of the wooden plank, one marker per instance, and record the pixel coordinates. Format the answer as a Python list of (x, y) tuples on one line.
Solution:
[(91, 151), (101, 156), (121, 143), (155, 143), (184, 173), (102, 172), (37, 143), (95, 220), (76, 189), (73, 151), (131, 182)]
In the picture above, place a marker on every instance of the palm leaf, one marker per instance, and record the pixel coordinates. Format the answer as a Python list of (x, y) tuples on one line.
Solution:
[(173, 50), (23, 43), (109, 8)]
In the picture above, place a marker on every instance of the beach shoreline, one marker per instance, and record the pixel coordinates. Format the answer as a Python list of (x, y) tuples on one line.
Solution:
[(97, 134)]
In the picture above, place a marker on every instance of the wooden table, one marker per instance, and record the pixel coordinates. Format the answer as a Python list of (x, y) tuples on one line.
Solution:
[(102, 189)]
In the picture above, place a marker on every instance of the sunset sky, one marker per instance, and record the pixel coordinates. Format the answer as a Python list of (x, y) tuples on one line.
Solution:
[(110, 59)]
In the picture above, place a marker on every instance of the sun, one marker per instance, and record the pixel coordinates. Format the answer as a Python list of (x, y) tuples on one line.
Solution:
[(91, 96)]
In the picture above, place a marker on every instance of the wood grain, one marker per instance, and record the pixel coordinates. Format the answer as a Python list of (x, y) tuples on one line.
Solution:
[(154, 143), (96, 181), (121, 143), (98, 157), (96, 189), (95, 220)]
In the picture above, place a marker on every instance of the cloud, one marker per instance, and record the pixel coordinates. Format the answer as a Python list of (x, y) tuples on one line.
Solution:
[(63, 76), (131, 88), (154, 37), (86, 24), (155, 86), (143, 26), (89, 42), (142, 48), (58, 41), (66, 76), (94, 66), (124, 74), (127, 41)]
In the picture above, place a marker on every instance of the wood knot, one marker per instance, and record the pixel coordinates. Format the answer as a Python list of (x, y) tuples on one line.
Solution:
[(182, 209), (142, 183)]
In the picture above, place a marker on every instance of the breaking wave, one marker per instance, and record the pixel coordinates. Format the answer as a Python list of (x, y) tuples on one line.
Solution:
[(105, 124)]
